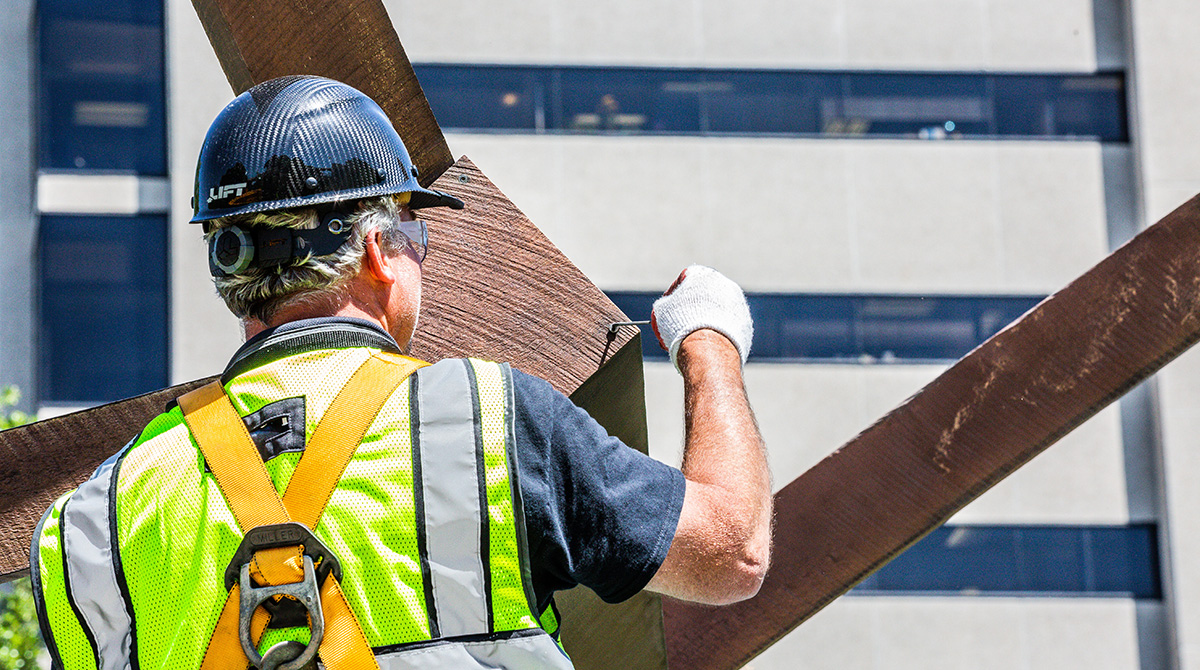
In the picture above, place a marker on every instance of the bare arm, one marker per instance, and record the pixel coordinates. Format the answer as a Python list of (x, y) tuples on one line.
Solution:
[(722, 545)]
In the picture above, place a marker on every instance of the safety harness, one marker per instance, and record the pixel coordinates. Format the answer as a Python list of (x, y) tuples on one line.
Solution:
[(280, 559)]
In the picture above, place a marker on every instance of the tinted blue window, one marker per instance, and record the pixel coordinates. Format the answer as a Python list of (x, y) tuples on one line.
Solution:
[(627, 100), (924, 105), (771, 102), (101, 78), (858, 328), (1070, 106), (1026, 560), (497, 98), (927, 105), (103, 307)]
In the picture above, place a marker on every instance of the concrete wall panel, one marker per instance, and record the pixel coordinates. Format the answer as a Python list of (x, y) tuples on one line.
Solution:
[(203, 333), (936, 33), (912, 204), (773, 33), (1166, 96), (810, 215), (1043, 36), (1050, 203), (893, 633), (475, 32), (807, 411), (998, 35)]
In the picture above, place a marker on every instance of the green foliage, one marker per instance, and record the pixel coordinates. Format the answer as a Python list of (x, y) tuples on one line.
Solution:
[(20, 642), (11, 418)]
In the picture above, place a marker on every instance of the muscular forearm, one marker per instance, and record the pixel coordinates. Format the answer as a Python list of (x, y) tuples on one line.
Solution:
[(723, 447), (722, 543), (722, 546)]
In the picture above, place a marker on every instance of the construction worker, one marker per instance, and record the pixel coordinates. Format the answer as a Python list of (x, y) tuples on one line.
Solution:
[(331, 498)]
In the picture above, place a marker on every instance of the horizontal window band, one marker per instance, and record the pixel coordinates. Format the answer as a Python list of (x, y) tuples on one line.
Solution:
[(856, 328), (771, 102), (1025, 560)]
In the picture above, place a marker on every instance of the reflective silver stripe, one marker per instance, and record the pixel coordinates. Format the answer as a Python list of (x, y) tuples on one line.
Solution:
[(92, 576), (450, 484), (533, 652)]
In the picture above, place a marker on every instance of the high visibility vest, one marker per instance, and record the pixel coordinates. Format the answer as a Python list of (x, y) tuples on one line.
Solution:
[(426, 521)]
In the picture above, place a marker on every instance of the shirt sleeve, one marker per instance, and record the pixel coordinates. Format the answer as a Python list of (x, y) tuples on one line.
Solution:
[(598, 513)]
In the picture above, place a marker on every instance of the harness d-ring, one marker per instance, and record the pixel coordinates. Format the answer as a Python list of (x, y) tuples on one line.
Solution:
[(307, 593)]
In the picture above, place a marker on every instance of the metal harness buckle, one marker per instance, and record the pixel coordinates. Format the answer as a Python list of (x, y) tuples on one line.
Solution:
[(289, 655)]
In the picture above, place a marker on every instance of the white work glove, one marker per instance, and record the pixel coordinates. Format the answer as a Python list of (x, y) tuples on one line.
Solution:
[(702, 298)]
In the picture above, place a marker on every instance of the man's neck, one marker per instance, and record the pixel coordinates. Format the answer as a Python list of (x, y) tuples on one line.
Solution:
[(386, 292), (252, 326)]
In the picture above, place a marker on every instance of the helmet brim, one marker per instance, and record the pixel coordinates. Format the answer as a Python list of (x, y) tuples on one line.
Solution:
[(423, 198)]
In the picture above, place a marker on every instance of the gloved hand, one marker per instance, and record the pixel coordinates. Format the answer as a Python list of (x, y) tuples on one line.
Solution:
[(702, 298)]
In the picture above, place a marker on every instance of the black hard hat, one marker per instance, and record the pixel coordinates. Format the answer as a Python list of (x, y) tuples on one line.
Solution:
[(299, 141)]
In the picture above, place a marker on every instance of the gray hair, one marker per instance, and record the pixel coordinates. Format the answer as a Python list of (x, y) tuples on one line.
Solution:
[(318, 281)]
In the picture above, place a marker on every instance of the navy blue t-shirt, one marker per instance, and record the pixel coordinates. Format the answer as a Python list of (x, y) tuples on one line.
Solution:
[(597, 512)]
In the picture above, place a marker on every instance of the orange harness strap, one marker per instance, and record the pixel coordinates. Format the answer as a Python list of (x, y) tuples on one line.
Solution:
[(243, 480)]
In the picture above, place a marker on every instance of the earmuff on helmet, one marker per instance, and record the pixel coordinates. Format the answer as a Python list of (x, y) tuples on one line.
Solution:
[(235, 249)]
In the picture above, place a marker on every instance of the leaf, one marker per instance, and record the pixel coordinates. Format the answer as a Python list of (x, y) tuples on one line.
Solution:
[(20, 638)]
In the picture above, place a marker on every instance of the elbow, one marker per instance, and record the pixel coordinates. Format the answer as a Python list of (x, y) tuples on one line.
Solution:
[(753, 555), (737, 573), (721, 550), (745, 577), (746, 556), (755, 568)]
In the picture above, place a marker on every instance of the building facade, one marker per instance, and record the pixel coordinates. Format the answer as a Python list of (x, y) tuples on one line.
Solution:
[(891, 182)]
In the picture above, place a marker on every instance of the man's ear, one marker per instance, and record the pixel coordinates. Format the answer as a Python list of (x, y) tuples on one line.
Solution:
[(375, 261)]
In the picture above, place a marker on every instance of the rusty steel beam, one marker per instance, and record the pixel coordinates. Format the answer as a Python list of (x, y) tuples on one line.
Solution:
[(1026, 387), (352, 41), (43, 460)]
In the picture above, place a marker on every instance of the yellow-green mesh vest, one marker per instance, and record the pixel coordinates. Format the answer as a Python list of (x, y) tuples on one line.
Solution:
[(426, 522)]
